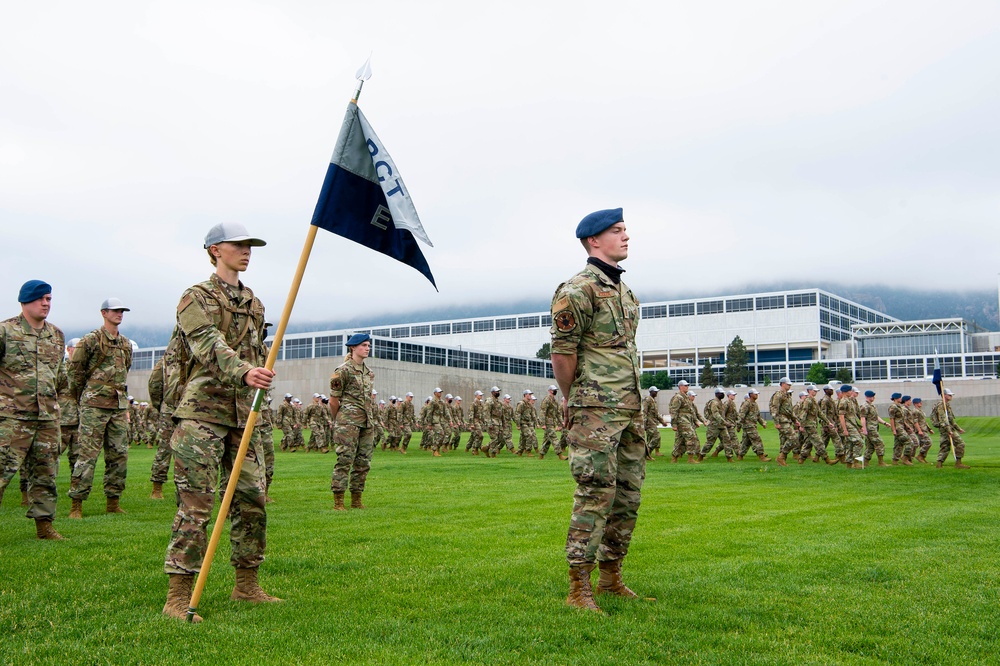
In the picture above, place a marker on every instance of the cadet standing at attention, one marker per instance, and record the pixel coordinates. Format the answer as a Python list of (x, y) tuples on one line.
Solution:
[(220, 324), (596, 364), (552, 422), (652, 422), (32, 379), (353, 411), (98, 372)]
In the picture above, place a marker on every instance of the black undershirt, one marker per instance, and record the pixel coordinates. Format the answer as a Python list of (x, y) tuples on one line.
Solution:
[(613, 272)]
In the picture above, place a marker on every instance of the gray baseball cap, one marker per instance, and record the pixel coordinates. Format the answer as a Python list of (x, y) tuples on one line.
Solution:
[(753, 392), (114, 304), (682, 382), (784, 380), (73, 342), (230, 232)]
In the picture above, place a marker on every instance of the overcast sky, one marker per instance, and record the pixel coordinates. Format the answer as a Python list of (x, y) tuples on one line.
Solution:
[(746, 141)]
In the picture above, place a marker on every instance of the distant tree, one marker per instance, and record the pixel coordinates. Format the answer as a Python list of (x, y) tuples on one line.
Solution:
[(707, 377), (844, 376), (545, 351), (660, 379), (818, 374), (736, 371), (767, 380)]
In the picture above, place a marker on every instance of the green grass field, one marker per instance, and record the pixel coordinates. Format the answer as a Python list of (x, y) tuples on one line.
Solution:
[(460, 560)]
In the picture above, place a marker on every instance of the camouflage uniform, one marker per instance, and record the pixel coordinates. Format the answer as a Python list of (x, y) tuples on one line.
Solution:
[(211, 415), (683, 420), (854, 440), (354, 433), (873, 441), (925, 432), (809, 418), (552, 422), (784, 420), (32, 380), (916, 425), (390, 418), (732, 416), (291, 434), (151, 425), (595, 318), (458, 416), (435, 423), (314, 419), (425, 435), (477, 415), (407, 422), (69, 421), (506, 428), (527, 420), (98, 372), (494, 414), (165, 388), (651, 423), (715, 412), (133, 421), (265, 431), (378, 424), (830, 431), (943, 418), (749, 419), (901, 438)]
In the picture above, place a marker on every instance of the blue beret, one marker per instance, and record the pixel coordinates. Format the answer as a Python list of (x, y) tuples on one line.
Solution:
[(845, 388), (896, 396), (917, 400), (598, 221), (32, 290), (357, 339), (869, 394), (905, 398)]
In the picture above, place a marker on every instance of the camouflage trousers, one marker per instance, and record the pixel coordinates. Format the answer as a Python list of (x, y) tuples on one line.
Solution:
[(394, 434), (653, 439), (873, 444), (161, 460), (527, 441), (925, 444), (551, 438), (435, 435), (713, 433), (406, 434), (200, 450), (788, 439), (354, 457), (493, 443), (266, 434), (317, 437), (475, 437), (902, 445), (831, 435), (685, 440), (949, 437), (291, 439), (607, 458), (506, 433), (751, 441), (811, 441), (70, 443), (104, 429), (854, 444), (33, 448)]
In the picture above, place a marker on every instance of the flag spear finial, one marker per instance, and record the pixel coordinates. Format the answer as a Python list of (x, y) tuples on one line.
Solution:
[(363, 74)]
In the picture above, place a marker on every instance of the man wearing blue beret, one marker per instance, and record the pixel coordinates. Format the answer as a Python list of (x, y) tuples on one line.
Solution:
[(596, 365), (355, 420), (32, 377), (873, 441), (900, 434)]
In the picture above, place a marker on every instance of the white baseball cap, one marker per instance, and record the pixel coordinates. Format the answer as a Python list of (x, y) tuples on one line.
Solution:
[(230, 232), (114, 304)]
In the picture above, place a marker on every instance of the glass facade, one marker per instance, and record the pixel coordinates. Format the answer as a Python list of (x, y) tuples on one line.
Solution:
[(910, 344)]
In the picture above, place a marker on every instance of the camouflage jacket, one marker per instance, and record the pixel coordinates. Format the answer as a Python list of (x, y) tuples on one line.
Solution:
[(551, 412), (390, 417), (943, 417), (352, 383), (781, 407), (828, 410), (683, 410), (715, 412), (477, 413), (732, 413), (848, 408), (596, 319), (506, 417), (651, 412), (525, 416), (494, 410), (286, 416), (155, 385), (217, 360), (99, 369), (437, 412), (898, 417), (69, 409), (406, 415), (920, 419), (870, 412), (32, 370), (266, 418), (459, 414), (750, 415), (809, 415), (313, 415)]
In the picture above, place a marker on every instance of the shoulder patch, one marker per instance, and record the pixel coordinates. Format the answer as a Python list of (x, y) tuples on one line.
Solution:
[(564, 321), (186, 300)]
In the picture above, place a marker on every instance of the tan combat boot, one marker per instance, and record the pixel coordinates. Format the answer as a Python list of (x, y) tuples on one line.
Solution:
[(179, 597), (247, 589), (541, 456), (673, 459), (959, 465), (763, 457), (610, 580), (715, 453), (580, 593), (836, 459), (562, 457), (24, 498), (356, 501), (113, 506), (938, 464), (76, 511), (921, 458), (157, 491), (881, 462), (906, 461), (803, 459), (44, 530), (338, 502), (781, 460)]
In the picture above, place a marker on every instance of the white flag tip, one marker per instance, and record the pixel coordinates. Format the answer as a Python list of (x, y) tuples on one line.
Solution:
[(365, 71)]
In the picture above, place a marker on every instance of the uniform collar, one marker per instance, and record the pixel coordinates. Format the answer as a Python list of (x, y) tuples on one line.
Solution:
[(239, 289), (613, 274), (44, 332)]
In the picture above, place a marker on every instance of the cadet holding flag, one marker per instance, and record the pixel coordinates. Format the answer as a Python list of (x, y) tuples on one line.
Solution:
[(32, 379), (596, 365)]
